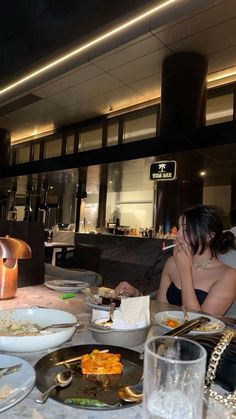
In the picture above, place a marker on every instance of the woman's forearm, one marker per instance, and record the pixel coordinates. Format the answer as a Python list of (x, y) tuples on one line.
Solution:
[(189, 298)]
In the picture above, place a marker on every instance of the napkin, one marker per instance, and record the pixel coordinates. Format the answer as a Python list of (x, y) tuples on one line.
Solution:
[(135, 309)]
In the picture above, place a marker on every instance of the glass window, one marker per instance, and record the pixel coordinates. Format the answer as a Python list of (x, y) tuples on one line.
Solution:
[(36, 151), (130, 194), (219, 109), (52, 148), (70, 144), (140, 127), (112, 133), (90, 138), (23, 154), (89, 205)]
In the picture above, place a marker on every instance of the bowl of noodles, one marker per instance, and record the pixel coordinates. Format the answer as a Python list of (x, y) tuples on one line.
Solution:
[(18, 333)]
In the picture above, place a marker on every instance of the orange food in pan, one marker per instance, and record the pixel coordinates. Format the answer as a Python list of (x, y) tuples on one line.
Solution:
[(101, 363)]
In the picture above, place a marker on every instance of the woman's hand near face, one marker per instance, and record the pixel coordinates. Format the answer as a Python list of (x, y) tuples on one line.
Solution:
[(183, 258), (124, 288)]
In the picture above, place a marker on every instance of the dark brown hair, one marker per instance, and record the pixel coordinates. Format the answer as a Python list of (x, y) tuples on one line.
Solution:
[(203, 223)]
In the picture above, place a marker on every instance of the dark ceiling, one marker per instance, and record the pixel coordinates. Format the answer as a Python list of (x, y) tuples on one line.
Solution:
[(31, 31)]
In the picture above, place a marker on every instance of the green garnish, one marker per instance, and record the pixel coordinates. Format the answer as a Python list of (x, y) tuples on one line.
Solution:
[(82, 401), (67, 295)]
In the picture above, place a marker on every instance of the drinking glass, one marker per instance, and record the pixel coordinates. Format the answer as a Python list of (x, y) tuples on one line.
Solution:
[(174, 373)]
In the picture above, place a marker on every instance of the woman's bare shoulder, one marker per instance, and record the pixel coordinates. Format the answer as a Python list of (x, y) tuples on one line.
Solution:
[(170, 263), (227, 275), (228, 270)]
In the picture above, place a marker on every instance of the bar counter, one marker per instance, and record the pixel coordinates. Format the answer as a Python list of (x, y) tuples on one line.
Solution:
[(41, 296)]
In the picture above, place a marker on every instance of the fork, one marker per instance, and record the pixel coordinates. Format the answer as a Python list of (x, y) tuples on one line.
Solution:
[(56, 326), (9, 370)]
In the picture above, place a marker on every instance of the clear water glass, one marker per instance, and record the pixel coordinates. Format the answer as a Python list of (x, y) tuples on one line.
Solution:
[(174, 374)]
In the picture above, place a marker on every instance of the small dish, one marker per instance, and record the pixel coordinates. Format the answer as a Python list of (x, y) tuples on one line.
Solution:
[(214, 326)]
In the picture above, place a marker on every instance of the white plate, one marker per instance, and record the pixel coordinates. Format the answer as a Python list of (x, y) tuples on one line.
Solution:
[(68, 286), (162, 317), (96, 306), (43, 317), (19, 383)]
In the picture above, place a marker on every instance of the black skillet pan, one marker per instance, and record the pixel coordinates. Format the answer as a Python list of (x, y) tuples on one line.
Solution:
[(101, 387)]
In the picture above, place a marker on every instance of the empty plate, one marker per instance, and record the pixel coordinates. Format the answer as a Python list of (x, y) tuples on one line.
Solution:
[(66, 285)]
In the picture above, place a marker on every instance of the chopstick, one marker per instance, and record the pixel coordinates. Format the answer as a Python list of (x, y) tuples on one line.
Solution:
[(76, 358), (188, 326)]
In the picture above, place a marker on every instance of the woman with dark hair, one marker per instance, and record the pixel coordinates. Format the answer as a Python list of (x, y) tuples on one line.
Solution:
[(194, 276)]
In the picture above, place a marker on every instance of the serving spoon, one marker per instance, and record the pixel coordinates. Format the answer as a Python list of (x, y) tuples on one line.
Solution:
[(132, 393), (62, 379)]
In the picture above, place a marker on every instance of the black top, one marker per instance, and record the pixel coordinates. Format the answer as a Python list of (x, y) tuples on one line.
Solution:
[(174, 297)]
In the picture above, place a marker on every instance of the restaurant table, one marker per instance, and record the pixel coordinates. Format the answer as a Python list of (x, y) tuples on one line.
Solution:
[(42, 296)]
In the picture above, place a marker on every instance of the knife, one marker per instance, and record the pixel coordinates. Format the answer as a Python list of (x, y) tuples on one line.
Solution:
[(188, 326), (9, 370)]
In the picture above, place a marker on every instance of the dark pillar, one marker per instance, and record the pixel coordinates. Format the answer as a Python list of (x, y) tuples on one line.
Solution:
[(183, 109), (80, 195), (233, 191), (5, 147), (183, 93), (101, 220)]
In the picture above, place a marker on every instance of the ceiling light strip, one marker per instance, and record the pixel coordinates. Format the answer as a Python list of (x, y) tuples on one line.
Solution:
[(86, 46), (219, 75)]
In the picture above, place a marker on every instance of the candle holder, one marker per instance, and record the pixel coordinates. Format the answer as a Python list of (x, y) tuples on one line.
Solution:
[(11, 250)]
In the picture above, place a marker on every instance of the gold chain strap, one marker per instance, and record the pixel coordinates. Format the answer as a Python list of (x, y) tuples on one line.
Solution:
[(230, 400)]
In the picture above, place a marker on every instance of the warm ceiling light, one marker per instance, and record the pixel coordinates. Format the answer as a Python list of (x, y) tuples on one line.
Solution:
[(120, 110), (26, 135), (228, 72), (221, 77), (202, 173), (87, 45)]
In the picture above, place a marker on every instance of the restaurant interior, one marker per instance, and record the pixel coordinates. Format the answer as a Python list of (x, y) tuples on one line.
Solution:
[(92, 94)]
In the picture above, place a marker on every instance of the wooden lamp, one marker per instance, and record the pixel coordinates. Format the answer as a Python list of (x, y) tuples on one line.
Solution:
[(10, 251)]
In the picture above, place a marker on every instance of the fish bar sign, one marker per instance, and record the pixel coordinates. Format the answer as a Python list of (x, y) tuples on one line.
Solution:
[(163, 170)]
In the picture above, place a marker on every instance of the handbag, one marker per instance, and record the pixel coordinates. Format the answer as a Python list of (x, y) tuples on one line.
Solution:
[(221, 365)]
